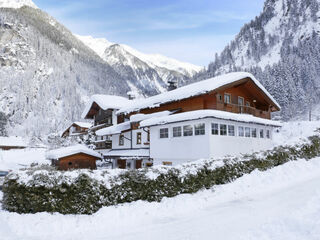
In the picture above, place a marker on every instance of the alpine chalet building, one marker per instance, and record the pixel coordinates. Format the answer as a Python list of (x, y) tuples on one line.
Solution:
[(225, 115)]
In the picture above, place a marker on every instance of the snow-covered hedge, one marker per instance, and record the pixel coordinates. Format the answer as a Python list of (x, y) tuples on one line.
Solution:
[(43, 188)]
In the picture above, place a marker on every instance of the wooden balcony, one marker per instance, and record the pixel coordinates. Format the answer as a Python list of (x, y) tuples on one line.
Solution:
[(235, 108)]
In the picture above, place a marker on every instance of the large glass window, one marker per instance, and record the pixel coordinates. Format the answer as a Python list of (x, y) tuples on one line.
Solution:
[(241, 131), (187, 130), (231, 130), (223, 129), (199, 129), (121, 140), (247, 131), (176, 132), (215, 128), (164, 133), (261, 133), (227, 98), (254, 132), (139, 138)]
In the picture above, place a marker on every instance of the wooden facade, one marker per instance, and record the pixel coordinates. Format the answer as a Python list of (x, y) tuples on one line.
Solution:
[(77, 161), (5, 148), (255, 101), (77, 131)]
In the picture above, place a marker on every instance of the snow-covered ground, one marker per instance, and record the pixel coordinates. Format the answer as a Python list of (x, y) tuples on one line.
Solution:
[(282, 203), (20, 158)]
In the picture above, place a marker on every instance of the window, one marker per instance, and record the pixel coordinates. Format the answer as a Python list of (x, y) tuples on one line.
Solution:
[(187, 130), (261, 133), (199, 129), (215, 128), (231, 131), (223, 129), (148, 136), (268, 134), (219, 98), (241, 132), (176, 132), (254, 132), (227, 98), (139, 138), (121, 140), (248, 104), (240, 101), (164, 133), (247, 131)]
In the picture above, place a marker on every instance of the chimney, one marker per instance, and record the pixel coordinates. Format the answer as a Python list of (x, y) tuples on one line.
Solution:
[(172, 85), (131, 95)]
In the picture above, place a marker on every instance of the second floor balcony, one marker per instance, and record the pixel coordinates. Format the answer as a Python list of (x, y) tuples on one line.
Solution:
[(235, 108)]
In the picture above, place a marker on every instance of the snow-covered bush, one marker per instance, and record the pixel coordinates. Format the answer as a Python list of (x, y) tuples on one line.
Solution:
[(85, 192)]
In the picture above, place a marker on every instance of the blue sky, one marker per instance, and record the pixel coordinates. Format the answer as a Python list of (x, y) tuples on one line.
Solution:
[(187, 30)]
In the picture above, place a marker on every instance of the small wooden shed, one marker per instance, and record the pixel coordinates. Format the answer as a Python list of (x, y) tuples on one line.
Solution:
[(73, 157)]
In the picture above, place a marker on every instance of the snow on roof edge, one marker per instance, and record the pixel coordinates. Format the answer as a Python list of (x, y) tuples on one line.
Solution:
[(200, 114), (71, 150)]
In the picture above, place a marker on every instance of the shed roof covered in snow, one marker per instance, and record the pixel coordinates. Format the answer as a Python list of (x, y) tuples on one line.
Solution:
[(196, 89), (200, 114), (12, 142), (71, 150), (104, 102)]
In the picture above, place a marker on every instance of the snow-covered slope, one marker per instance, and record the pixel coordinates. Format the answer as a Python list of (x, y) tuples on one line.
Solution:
[(281, 48), (151, 69), (99, 45), (16, 3), (279, 204)]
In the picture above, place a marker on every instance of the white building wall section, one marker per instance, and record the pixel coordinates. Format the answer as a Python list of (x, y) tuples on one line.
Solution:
[(178, 149), (144, 139), (189, 148), (127, 142)]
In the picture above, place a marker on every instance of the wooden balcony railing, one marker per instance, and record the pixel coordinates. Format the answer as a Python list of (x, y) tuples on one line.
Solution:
[(235, 108)]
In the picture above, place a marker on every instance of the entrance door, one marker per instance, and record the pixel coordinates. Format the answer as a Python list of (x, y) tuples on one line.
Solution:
[(122, 163), (138, 164)]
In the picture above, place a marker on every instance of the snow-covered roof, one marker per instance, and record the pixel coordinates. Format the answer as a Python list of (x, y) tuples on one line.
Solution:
[(128, 153), (82, 124), (140, 116), (192, 90), (105, 102), (13, 142), (200, 114), (115, 129), (68, 151)]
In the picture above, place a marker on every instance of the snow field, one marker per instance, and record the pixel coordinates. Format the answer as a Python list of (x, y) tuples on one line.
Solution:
[(281, 203)]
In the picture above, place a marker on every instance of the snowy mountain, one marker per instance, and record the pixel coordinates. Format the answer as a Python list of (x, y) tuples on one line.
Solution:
[(47, 73), (136, 66), (16, 3), (281, 47)]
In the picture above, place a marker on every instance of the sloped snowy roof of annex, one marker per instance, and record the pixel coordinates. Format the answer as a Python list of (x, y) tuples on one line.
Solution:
[(80, 124), (200, 114), (105, 102), (192, 90), (71, 150)]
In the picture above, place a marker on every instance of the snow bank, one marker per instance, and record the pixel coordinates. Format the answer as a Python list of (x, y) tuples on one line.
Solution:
[(279, 204), (192, 90)]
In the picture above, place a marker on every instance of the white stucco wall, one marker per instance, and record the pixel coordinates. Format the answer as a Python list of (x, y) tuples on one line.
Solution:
[(183, 149)]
